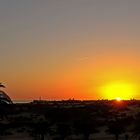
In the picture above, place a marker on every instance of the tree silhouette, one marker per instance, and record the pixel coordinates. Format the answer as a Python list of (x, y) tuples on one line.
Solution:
[(86, 128), (41, 128), (126, 137), (116, 128), (63, 130), (136, 129), (4, 129)]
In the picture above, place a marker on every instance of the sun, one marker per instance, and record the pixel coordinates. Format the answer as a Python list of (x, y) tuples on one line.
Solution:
[(118, 99), (118, 90)]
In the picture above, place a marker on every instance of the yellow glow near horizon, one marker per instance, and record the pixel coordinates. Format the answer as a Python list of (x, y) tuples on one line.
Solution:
[(119, 90), (118, 99)]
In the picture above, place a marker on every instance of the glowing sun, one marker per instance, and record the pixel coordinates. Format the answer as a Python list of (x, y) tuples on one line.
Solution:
[(118, 99), (119, 90)]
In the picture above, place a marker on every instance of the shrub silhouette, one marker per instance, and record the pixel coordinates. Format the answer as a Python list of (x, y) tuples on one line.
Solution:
[(86, 128), (40, 128), (116, 128), (63, 130)]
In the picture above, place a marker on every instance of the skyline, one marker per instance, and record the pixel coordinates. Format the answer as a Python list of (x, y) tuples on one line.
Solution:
[(69, 49)]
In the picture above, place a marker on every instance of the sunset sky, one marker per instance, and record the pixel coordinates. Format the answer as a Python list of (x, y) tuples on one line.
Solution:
[(61, 49)]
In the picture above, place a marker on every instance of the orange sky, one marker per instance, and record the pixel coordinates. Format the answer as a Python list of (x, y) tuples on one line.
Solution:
[(70, 49)]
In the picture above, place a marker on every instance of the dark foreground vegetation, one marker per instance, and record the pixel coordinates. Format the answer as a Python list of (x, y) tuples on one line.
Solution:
[(71, 120)]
